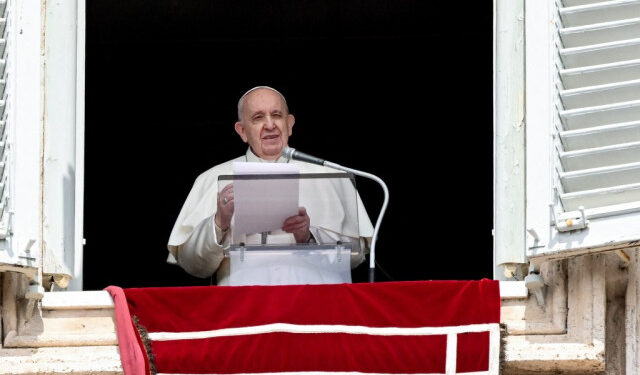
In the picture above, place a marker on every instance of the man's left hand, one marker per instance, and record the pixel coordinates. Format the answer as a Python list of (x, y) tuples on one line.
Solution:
[(298, 225)]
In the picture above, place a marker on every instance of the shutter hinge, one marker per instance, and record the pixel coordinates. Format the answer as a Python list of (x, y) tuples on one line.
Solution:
[(573, 220)]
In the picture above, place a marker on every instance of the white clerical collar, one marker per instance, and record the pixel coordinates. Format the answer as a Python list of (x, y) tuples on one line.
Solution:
[(251, 157)]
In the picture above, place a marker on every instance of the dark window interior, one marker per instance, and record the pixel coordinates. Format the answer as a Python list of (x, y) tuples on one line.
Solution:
[(398, 88)]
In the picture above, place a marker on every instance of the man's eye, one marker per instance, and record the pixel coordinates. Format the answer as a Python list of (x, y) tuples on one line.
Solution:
[(257, 117)]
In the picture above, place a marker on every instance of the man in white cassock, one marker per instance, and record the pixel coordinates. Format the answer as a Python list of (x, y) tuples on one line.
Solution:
[(203, 229)]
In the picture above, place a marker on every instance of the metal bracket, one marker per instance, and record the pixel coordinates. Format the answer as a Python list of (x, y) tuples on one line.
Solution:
[(242, 249), (568, 221), (339, 250), (34, 293), (535, 283), (27, 252)]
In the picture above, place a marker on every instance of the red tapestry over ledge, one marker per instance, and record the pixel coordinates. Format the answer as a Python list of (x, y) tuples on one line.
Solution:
[(426, 327)]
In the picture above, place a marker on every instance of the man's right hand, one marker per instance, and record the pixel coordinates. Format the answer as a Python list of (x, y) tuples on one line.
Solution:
[(225, 207)]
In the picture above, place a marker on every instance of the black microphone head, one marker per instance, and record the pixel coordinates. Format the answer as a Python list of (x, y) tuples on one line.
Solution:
[(287, 152)]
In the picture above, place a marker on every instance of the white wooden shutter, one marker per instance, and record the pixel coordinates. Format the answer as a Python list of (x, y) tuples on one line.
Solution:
[(63, 154), (20, 137), (583, 126)]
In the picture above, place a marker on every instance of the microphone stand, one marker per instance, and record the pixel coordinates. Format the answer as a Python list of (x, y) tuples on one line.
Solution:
[(291, 153), (372, 253)]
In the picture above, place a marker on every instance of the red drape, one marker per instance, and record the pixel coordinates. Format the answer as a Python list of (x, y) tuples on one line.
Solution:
[(370, 328)]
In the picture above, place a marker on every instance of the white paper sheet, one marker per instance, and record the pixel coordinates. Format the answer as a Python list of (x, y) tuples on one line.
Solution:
[(263, 205)]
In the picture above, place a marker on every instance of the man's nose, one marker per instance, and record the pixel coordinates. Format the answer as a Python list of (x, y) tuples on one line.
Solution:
[(271, 123)]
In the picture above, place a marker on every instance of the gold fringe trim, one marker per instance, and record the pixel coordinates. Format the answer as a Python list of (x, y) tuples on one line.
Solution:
[(503, 346), (144, 334)]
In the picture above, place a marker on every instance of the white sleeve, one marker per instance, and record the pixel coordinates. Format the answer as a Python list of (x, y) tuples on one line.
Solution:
[(201, 254)]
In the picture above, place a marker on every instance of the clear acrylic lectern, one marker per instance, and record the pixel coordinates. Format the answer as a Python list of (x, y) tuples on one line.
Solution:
[(262, 254)]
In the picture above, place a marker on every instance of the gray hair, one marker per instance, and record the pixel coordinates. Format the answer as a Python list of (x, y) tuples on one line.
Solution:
[(241, 100)]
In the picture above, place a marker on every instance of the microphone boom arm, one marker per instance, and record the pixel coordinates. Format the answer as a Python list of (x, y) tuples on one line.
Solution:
[(291, 153), (372, 253)]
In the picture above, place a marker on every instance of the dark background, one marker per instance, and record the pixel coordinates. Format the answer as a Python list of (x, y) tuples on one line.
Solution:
[(398, 88)]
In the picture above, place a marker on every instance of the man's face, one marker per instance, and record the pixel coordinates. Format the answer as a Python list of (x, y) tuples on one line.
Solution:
[(266, 124)]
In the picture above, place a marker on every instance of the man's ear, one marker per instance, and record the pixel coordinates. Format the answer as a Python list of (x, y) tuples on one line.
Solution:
[(290, 121), (240, 130)]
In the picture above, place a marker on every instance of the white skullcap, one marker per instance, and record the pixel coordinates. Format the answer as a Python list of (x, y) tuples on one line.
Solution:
[(240, 101)]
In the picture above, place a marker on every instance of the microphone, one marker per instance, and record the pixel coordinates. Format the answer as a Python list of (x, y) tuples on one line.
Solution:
[(291, 153)]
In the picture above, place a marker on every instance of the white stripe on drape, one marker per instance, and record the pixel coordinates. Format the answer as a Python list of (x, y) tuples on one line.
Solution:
[(321, 328)]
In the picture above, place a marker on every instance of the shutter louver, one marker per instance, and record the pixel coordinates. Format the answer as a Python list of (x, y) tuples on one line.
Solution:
[(598, 111)]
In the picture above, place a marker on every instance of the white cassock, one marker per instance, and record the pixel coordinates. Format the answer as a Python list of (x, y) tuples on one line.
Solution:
[(198, 244)]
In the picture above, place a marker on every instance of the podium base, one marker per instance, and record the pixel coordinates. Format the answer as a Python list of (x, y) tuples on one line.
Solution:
[(265, 265)]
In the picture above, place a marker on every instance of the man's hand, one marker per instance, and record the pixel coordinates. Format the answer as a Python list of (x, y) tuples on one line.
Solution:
[(298, 225), (225, 207)]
